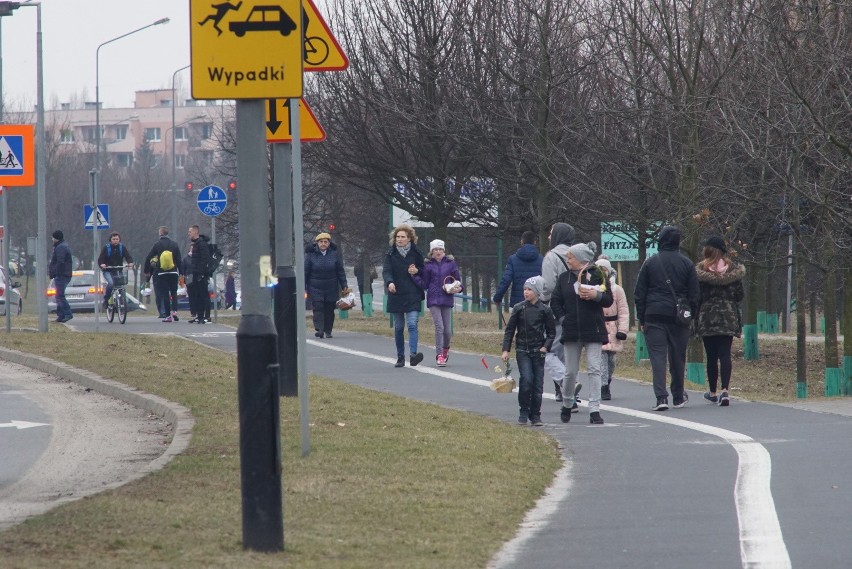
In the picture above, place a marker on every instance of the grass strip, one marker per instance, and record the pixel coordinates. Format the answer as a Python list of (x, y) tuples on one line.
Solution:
[(390, 482)]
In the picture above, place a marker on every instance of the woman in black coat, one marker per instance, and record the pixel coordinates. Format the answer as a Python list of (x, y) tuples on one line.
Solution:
[(324, 279), (405, 298)]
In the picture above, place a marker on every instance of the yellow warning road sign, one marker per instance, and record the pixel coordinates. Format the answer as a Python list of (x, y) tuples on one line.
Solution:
[(278, 122), (250, 49), (322, 52), (17, 155)]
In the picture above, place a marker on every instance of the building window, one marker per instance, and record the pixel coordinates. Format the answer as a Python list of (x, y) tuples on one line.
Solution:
[(124, 160), (120, 132), (207, 131), (90, 134), (66, 136), (152, 134), (181, 133), (180, 160), (205, 159)]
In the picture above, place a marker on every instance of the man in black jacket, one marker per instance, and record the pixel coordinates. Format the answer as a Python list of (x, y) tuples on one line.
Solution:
[(165, 277), (663, 278), (196, 287), (59, 270)]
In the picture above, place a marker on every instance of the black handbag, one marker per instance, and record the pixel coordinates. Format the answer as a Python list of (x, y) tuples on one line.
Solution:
[(683, 310)]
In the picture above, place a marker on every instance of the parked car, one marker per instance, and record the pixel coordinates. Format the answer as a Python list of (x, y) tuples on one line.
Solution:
[(11, 293), (82, 294)]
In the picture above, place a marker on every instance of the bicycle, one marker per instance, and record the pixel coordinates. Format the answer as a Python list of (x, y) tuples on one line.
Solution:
[(316, 50), (212, 208), (119, 295)]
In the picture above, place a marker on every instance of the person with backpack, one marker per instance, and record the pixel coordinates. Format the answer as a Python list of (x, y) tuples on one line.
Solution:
[(163, 263), (113, 254), (196, 288)]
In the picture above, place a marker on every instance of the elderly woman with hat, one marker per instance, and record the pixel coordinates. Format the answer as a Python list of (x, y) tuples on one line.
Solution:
[(440, 279), (325, 278), (581, 294), (721, 283)]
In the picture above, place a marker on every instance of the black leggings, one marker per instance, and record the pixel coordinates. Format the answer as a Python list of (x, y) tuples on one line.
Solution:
[(718, 350)]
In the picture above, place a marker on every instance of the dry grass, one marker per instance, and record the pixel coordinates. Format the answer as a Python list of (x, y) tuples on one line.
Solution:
[(389, 482)]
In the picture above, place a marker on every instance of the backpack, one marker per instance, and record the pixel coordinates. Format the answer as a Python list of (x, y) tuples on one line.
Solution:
[(215, 259), (109, 250), (166, 261)]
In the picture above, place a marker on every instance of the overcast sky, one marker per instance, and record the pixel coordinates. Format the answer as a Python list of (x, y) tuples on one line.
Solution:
[(71, 33)]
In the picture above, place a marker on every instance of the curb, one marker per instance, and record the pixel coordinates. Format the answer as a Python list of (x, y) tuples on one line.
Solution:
[(179, 416)]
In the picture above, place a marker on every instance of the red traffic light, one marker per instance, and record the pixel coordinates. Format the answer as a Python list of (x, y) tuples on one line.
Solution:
[(331, 227), (232, 185), (188, 186)]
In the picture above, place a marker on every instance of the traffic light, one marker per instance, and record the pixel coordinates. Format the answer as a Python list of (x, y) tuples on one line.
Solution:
[(188, 186), (232, 185), (331, 227)]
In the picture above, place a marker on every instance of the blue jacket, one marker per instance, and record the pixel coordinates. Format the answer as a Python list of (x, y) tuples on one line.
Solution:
[(60, 261), (525, 263), (432, 277), (324, 274), (408, 295)]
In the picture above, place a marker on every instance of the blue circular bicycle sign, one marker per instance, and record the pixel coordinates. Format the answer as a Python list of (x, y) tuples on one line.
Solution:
[(212, 200)]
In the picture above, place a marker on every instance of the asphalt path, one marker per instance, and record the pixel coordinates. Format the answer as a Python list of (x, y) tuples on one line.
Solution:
[(753, 485), (25, 427)]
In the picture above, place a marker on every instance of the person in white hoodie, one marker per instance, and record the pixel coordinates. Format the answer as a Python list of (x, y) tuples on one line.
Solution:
[(561, 238)]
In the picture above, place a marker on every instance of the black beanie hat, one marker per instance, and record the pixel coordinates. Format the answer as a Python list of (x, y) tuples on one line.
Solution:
[(717, 243), (58, 235)]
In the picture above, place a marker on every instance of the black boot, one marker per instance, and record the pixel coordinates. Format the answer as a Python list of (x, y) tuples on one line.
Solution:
[(558, 391), (400, 361), (605, 393)]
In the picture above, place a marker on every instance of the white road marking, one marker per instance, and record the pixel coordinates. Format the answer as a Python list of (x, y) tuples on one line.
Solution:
[(21, 425), (761, 541)]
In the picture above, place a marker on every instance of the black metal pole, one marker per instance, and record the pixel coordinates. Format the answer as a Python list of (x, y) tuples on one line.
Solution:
[(285, 323), (260, 434)]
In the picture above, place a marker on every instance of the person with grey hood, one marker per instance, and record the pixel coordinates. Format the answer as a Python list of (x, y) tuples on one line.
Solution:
[(656, 312), (561, 237)]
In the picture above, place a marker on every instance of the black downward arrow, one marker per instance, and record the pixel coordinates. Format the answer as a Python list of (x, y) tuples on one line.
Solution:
[(273, 123)]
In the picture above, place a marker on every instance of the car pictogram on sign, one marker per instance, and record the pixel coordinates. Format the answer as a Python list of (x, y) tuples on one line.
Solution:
[(264, 19)]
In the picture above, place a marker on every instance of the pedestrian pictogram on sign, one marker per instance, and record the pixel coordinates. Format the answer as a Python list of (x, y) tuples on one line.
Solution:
[(96, 217), (251, 49), (278, 122), (17, 155), (322, 52)]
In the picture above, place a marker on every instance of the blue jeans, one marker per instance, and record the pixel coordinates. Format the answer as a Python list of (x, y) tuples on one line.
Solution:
[(531, 382), (401, 320), (109, 284), (63, 309)]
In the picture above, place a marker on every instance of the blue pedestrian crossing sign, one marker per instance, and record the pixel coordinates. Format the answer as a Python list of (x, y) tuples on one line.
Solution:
[(212, 200), (96, 218)]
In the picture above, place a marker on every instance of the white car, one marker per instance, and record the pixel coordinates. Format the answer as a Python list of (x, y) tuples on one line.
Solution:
[(11, 293)]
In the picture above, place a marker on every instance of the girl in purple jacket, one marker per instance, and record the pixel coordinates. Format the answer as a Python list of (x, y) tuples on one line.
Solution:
[(439, 270)]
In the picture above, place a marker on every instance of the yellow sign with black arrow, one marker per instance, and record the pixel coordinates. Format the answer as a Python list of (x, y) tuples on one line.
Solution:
[(278, 122), (250, 49)]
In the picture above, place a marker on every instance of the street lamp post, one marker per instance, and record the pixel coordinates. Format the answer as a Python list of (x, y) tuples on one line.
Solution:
[(174, 171), (7, 8), (97, 171)]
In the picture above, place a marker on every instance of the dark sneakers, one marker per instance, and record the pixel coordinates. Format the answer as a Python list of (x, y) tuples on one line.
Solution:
[(662, 404), (319, 334), (595, 418), (522, 419), (681, 401), (565, 414), (536, 421), (724, 401), (400, 361), (416, 359), (711, 398)]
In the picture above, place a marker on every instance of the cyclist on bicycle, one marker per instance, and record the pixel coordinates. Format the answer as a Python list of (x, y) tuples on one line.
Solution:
[(114, 254)]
